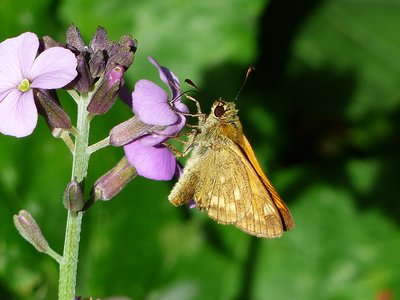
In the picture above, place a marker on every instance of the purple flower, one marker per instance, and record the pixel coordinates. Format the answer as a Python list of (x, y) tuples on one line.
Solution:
[(20, 72), (153, 106)]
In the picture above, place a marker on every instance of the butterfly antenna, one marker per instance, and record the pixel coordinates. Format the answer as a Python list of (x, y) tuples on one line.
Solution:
[(196, 88), (189, 82), (249, 71)]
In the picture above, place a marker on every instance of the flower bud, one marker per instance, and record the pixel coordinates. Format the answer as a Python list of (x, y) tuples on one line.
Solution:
[(128, 41), (99, 58), (30, 230), (130, 130), (121, 53), (99, 41), (49, 107), (74, 38), (49, 42), (123, 57), (105, 96), (73, 196), (84, 81), (111, 183), (97, 63)]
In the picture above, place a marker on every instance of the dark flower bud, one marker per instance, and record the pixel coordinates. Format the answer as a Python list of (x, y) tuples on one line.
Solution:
[(97, 63), (49, 107), (73, 196), (49, 42), (121, 53), (84, 81), (124, 57), (125, 95), (99, 41), (128, 41), (130, 130), (111, 183), (99, 58), (106, 94), (30, 231), (74, 38)]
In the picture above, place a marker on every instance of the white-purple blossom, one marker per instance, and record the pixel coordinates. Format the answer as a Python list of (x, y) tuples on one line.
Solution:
[(152, 105), (20, 72)]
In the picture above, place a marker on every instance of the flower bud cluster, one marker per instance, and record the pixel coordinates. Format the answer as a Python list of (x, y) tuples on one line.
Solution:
[(101, 66)]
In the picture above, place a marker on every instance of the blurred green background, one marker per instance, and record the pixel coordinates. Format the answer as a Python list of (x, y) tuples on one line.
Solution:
[(322, 111)]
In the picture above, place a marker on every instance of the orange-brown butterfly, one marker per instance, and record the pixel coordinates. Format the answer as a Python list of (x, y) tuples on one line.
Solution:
[(224, 178)]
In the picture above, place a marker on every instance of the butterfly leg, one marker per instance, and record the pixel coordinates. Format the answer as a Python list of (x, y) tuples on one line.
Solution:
[(199, 114), (174, 150)]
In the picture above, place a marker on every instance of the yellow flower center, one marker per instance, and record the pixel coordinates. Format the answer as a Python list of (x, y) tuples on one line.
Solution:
[(24, 86)]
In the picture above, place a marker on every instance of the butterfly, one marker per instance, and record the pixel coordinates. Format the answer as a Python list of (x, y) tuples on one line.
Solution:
[(223, 177)]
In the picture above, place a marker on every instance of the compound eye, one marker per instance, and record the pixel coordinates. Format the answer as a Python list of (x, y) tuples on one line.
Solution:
[(219, 111)]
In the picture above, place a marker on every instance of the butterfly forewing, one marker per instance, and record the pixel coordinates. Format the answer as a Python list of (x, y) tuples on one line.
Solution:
[(284, 212), (262, 218)]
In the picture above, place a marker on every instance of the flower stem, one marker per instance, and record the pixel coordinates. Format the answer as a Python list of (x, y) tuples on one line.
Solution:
[(69, 264), (54, 255), (99, 145)]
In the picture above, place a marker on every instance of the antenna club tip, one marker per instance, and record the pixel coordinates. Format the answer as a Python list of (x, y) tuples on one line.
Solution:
[(251, 69), (188, 81)]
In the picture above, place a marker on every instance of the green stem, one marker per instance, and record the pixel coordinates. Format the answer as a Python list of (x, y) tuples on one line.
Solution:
[(99, 145), (57, 257), (69, 264)]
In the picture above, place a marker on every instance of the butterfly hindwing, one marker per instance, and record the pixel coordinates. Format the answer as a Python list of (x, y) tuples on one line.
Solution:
[(236, 194), (228, 189)]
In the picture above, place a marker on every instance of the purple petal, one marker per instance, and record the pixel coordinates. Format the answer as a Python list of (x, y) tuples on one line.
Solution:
[(153, 162), (18, 114), (180, 106), (6, 86), (168, 77), (17, 56), (53, 68), (192, 203), (178, 170), (150, 104)]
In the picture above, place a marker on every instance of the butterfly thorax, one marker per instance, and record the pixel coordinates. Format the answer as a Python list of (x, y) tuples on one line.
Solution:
[(221, 126)]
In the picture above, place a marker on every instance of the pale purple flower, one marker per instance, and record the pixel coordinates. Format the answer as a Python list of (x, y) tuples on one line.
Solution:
[(20, 72), (153, 106)]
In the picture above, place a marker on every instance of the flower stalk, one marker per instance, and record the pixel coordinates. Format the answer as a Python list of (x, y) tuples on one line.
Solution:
[(68, 267)]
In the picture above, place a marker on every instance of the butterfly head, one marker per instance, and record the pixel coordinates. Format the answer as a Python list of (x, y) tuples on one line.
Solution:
[(224, 111)]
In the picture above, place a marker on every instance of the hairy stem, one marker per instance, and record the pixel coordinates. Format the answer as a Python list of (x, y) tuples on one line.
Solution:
[(69, 264)]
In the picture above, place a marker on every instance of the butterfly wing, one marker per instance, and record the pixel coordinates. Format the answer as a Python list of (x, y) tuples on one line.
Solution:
[(281, 206), (227, 186), (236, 193)]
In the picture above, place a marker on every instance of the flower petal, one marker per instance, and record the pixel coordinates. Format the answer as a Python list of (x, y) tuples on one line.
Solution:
[(18, 114), (53, 68), (150, 104), (168, 77), (180, 106), (5, 86), (155, 163), (17, 56)]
